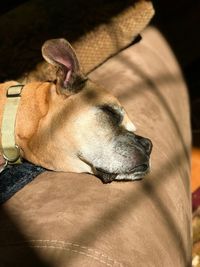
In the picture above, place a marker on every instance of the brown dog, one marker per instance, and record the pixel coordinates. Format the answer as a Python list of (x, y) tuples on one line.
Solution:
[(74, 125)]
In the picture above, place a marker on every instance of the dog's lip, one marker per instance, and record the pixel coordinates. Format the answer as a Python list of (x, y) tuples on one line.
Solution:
[(143, 168), (140, 168), (107, 177)]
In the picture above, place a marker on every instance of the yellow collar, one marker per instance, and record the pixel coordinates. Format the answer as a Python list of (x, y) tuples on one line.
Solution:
[(11, 152)]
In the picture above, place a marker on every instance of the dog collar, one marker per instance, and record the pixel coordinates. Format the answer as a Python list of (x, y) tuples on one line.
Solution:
[(11, 152)]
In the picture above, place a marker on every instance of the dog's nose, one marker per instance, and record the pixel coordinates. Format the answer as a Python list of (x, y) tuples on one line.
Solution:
[(145, 143)]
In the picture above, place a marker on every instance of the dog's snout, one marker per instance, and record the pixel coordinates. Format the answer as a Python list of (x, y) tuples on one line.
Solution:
[(145, 143)]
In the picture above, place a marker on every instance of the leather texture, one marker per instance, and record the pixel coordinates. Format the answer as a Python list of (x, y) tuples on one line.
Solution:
[(68, 219)]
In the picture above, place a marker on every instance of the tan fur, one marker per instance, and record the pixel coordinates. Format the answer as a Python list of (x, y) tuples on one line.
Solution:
[(46, 118), (74, 125)]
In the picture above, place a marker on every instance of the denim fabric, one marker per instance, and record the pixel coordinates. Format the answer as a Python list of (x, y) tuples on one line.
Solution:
[(15, 177)]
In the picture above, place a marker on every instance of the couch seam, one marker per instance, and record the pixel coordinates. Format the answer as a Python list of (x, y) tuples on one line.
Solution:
[(63, 247), (73, 250)]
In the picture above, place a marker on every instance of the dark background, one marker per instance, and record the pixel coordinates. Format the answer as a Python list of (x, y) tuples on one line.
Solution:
[(179, 21)]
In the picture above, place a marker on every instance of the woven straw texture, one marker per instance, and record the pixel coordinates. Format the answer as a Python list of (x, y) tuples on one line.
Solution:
[(107, 39)]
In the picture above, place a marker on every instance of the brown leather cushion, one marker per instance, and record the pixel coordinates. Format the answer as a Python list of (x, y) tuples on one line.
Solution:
[(66, 219)]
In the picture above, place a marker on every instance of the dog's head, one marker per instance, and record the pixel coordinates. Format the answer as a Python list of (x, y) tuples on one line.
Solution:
[(92, 132)]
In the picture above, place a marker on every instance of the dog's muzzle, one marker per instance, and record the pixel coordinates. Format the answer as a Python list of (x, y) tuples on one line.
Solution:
[(141, 165)]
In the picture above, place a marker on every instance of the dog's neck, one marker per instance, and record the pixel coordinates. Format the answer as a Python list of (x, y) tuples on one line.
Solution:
[(32, 107)]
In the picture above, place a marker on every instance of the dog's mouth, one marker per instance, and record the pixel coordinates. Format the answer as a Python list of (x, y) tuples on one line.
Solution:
[(136, 173)]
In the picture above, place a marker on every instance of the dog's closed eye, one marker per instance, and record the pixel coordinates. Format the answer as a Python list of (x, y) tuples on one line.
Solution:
[(115, 113)]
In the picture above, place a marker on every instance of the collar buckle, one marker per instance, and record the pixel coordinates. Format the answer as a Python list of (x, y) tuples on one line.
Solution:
[(14, 90), (13, 156)]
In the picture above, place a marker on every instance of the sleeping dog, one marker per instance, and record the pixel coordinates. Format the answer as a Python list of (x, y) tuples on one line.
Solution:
[(73, 124)]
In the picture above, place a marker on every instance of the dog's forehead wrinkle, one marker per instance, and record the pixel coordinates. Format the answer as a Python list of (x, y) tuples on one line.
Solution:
[(90, 95), (96, 94)]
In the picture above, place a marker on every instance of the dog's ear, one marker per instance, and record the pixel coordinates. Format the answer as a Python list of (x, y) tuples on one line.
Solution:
[(59, 52)]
